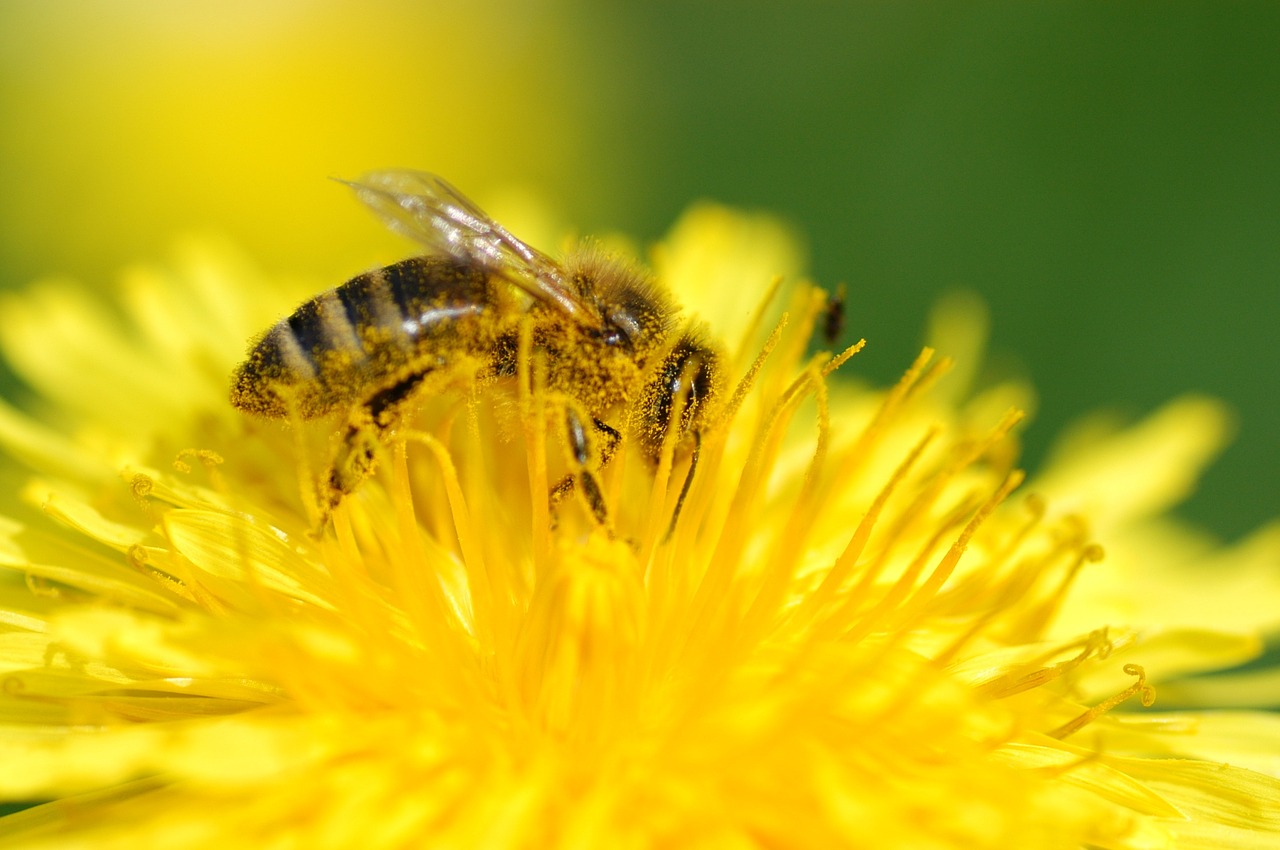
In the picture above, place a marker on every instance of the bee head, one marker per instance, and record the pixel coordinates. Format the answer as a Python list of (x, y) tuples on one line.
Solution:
[(635, 314), (679, 392)]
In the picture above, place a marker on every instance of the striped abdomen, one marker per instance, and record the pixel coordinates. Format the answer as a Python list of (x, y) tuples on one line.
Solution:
[(335, 346)]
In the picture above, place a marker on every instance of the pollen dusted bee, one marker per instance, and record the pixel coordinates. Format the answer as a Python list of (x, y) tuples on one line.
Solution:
[(607, 333)]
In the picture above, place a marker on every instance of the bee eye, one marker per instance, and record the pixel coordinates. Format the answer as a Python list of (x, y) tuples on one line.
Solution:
[(613, 335)]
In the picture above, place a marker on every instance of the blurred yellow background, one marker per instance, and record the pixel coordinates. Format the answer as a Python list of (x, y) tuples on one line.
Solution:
[(1105, 176), (128, 121)]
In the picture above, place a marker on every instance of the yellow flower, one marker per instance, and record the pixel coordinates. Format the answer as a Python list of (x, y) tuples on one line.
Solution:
[(859, 632)]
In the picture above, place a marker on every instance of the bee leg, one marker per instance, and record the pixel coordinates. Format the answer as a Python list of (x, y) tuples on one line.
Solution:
[(581, 458), (611, 437), (354, 461), (367, 428), (581, 449), (562, 488), (595, 498), (688, 482)]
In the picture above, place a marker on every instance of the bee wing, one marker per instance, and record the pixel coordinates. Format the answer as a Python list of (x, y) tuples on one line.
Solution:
[(428, 209)]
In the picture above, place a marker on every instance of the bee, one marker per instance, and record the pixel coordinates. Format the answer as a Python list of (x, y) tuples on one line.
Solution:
[(607, 332), (832, 316)]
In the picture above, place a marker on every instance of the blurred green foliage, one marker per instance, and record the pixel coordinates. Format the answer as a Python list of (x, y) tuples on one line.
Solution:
[(1104, 175)]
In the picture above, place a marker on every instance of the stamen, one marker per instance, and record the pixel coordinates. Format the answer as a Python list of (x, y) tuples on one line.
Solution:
[(346, 538), (812, 473), (40, 586), (843, 566), (1031, 676), (860, 451), (932, 375), (210, 460), (531, 381), (1140, 687), (843, 357), (748, 379), (183, 585), (963, 456), (929, 589), (469, 540), (753, 326), (904, 592), (1038, 616), (138, 558), (789, 545), (803, 382), (713, 591), (730, 543), (1035, 508), (411, 573), (1007, 591), (765, 448), (479, 479), (806, 303), (414, 575), (140, 486), (864, 623)]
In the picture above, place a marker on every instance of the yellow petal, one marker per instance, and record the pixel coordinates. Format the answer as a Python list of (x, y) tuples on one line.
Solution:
[(225, 547), (1120, 476), (1169, 654), (127, 638), (1162, 574), (1105, 781), (1244, 739), (1214, 793), (713, 255)]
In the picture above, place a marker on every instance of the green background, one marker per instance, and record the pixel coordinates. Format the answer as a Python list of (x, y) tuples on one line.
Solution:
[(1106, 175)]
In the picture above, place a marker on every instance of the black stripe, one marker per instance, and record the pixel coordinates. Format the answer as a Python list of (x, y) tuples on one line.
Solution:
[(267, 358), (355, 295), (406, 281), (308, 329), (388, 397)]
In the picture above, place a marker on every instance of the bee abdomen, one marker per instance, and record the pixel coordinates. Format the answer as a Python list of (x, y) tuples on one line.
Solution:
[(304, 363), (341, 343), (429, 300)]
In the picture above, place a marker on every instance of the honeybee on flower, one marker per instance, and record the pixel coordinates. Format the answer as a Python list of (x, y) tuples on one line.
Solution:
[(858, 634), (374, 346)]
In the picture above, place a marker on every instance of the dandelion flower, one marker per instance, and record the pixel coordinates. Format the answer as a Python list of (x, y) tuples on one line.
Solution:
[(864, 628)]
